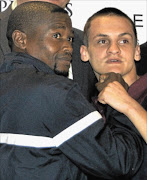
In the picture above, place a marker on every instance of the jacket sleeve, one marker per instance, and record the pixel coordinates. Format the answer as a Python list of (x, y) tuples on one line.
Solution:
[(107, 150)]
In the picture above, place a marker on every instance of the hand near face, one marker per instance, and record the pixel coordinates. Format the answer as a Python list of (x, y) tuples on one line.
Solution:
[(113, 93), (105, 79)]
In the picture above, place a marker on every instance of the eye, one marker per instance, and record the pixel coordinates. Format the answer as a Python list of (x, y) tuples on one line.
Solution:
[(70, 39), (124, 41), (57, 35), (102, 41)]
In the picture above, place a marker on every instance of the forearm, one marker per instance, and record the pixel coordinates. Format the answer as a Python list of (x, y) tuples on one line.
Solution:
[(115, 96), (138, 116), (109, 150)]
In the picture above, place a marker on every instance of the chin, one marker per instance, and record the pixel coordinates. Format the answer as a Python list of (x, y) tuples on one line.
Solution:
[(61, 73), (114, 70)]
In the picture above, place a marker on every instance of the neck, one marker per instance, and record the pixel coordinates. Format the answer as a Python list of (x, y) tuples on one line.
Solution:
[(131, 80)]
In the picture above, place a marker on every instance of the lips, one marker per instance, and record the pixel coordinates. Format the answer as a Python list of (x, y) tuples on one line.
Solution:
[(66, 57), (110, 61)]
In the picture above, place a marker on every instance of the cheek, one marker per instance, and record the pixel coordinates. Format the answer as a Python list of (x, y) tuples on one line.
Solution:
[(97, 59), (43, 52), (96, 51), (128, 53), (33, 49), (51, 46), (95, 63), (96, 56)]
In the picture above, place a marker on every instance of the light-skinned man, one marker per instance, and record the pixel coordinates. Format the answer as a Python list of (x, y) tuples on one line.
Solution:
[(113, 47)]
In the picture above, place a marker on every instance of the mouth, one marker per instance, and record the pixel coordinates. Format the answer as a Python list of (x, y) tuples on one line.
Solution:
[(65, 58), (113, 61)]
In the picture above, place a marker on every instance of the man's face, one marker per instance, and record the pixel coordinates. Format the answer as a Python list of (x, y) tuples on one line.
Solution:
[(61, 3), (112, 46), (52, 43)]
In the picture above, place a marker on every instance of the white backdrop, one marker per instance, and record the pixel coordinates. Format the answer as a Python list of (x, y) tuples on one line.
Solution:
[(83, 9)]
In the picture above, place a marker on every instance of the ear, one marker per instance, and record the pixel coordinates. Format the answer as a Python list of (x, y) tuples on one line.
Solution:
[(137, 55), (84, 53), (19, 39)]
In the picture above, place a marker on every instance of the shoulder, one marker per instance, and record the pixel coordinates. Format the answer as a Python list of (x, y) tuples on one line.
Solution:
[(138, 90), (143, 80), (31, 82), (45, 83)]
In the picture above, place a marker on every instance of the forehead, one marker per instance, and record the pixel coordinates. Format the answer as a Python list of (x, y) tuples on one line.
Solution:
[(53, 22), (58, 19), (110, 24)]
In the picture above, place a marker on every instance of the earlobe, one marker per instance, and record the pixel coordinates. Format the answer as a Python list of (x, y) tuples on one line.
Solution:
[(137, 56), (19, 39), (84, 53)]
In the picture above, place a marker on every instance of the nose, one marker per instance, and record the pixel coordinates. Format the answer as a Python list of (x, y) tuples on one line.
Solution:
[(113, 48), (67, 47)]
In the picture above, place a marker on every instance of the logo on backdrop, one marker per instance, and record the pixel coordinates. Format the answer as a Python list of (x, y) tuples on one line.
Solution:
[(4, 4), (138, 18), (68, 6)]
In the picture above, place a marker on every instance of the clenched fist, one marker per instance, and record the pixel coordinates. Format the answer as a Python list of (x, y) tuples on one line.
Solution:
[(105, 79)]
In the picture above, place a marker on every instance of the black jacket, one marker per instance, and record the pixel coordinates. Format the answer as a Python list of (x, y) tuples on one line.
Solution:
[(49, 131), (82, 72)]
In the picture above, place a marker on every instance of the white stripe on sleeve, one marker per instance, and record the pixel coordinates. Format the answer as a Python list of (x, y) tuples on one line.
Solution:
[(26, 140), (76, 128), (47, 142)]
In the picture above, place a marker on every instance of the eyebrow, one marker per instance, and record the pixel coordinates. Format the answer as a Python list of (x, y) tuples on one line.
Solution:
[(120, 35), (126, 33), (59, 26)]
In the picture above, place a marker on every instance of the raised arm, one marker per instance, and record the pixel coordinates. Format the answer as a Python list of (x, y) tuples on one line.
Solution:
[(117, 97)]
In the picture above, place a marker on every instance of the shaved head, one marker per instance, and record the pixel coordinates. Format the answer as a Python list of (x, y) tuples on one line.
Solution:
[(27, 16)]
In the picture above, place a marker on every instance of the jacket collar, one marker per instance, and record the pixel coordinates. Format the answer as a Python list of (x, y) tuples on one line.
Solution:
[(14, 58)]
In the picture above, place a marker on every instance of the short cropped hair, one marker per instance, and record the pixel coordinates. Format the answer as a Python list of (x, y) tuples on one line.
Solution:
[(27, 16), (109, 11)]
